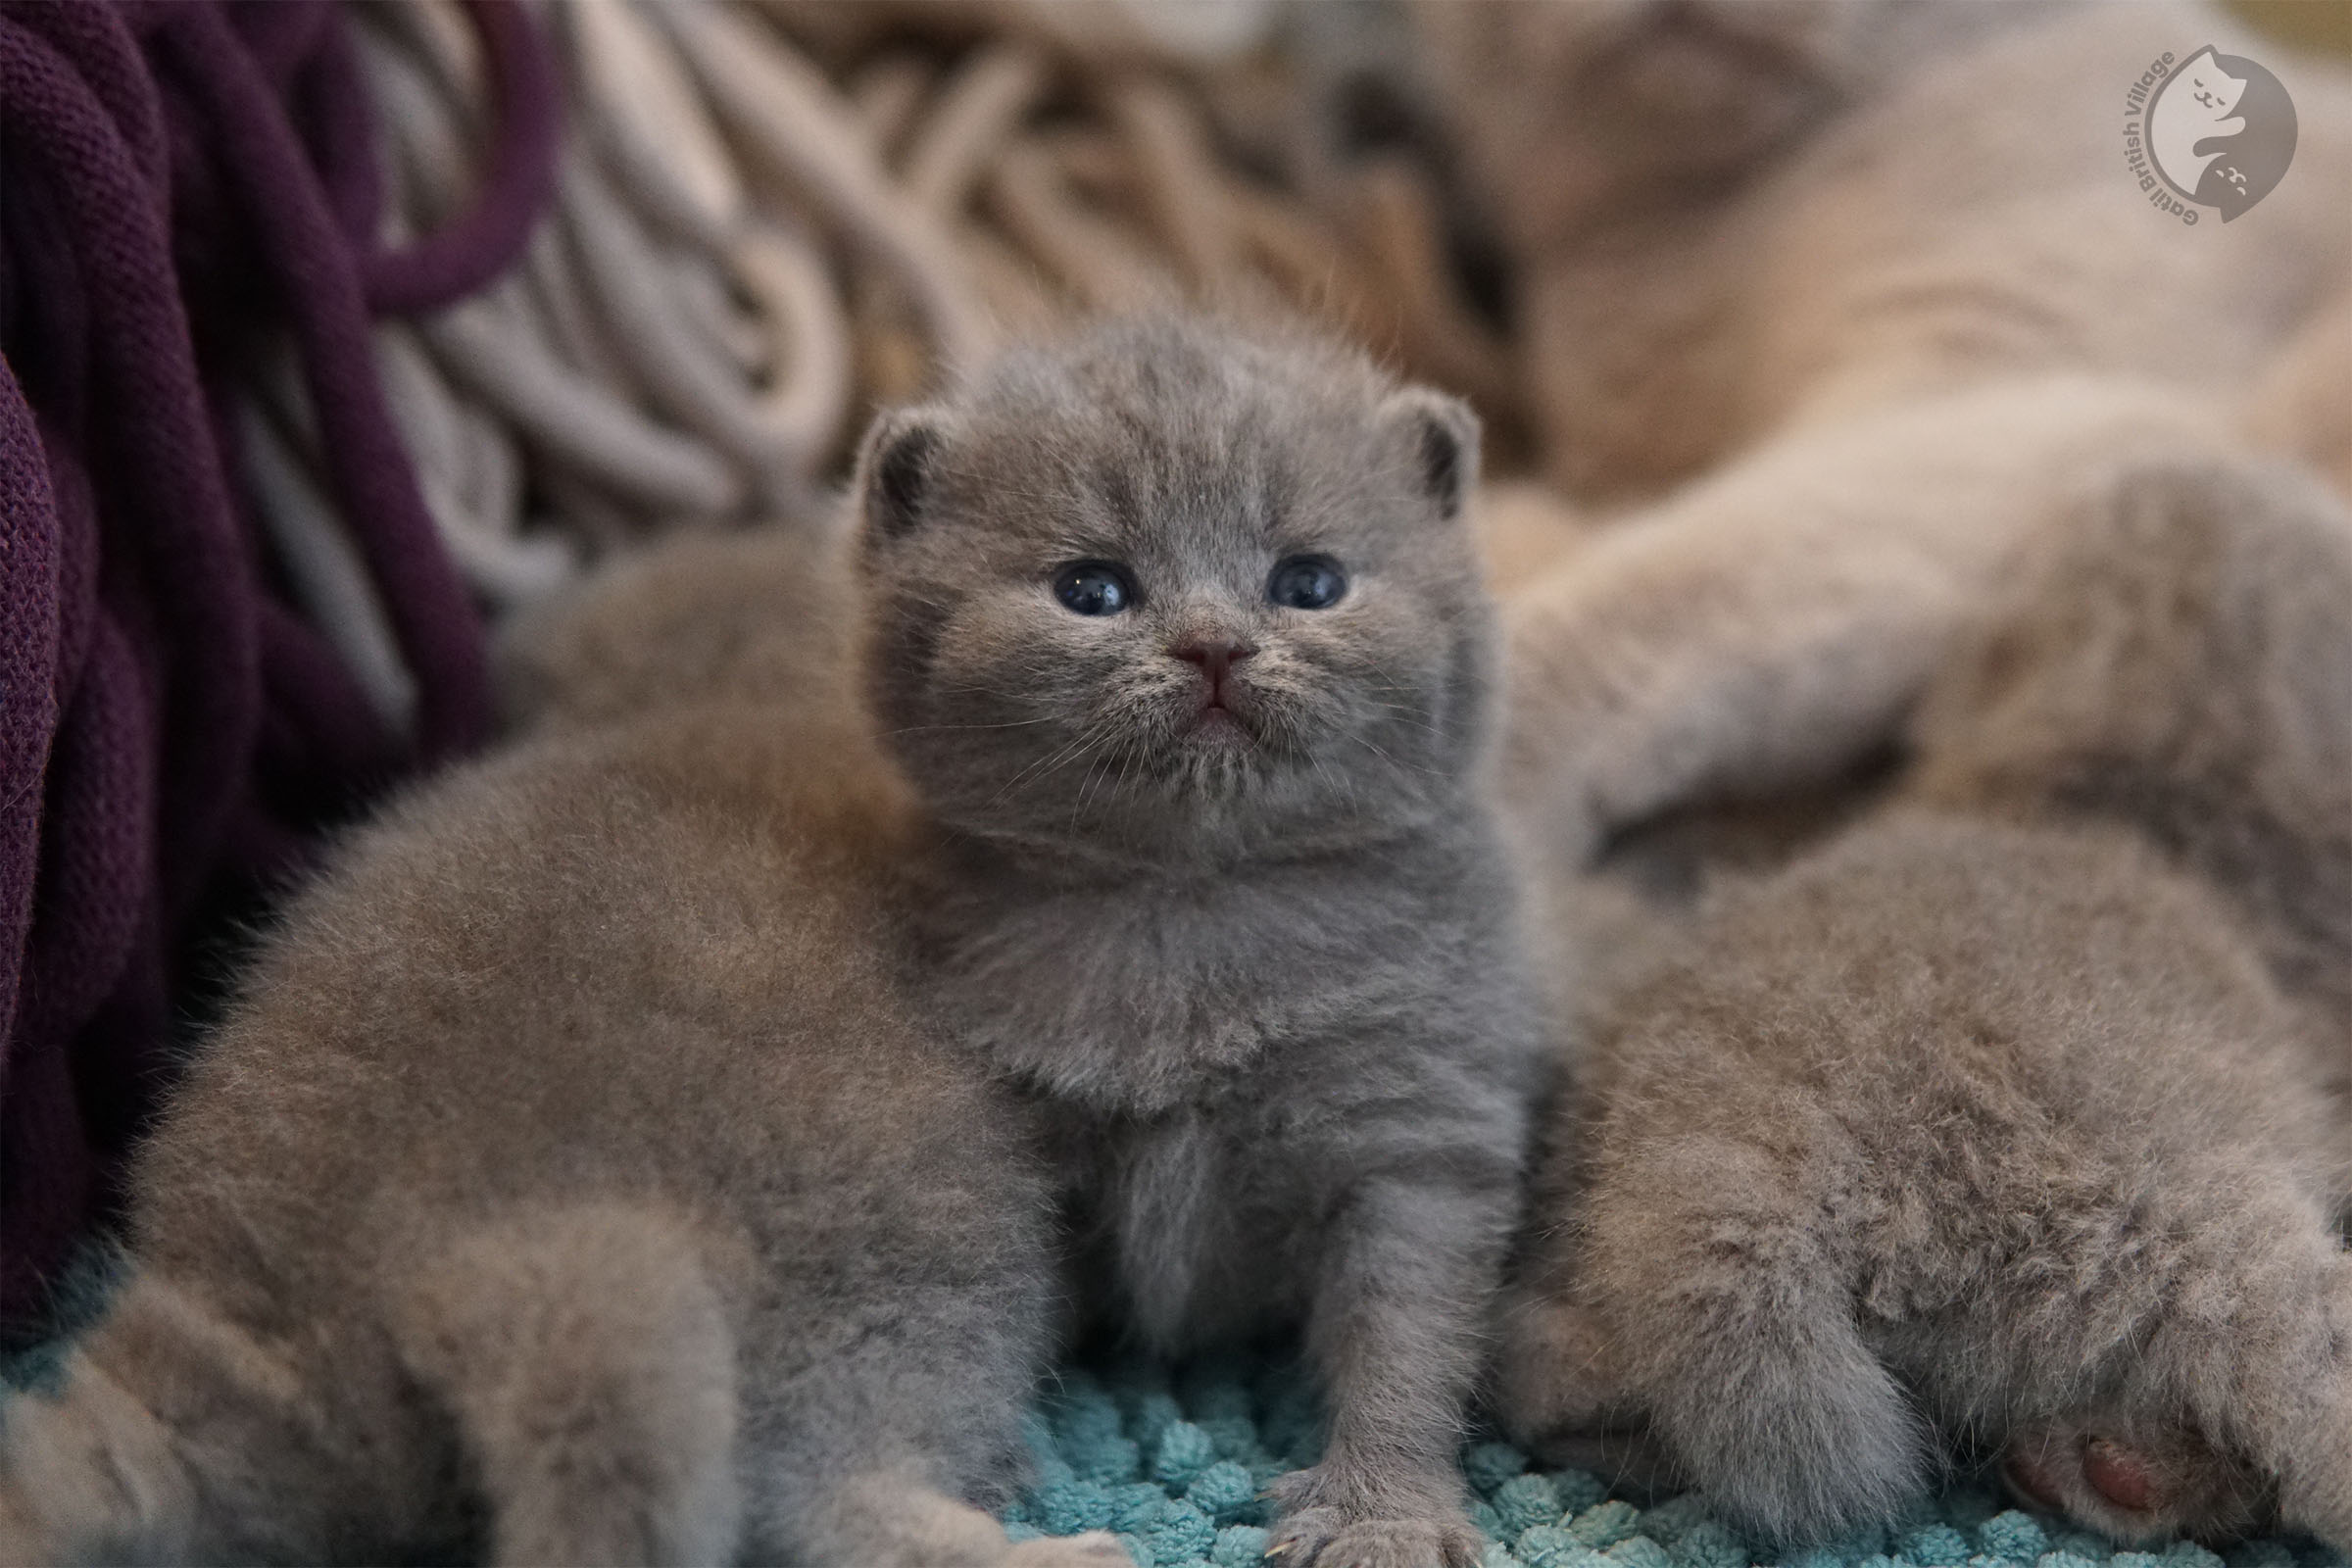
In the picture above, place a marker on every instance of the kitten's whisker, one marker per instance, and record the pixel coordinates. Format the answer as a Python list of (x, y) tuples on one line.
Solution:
[(1040, 767), (1339, 783), (1129, 754), (1086, 786), (1391, 761), (924, 729)]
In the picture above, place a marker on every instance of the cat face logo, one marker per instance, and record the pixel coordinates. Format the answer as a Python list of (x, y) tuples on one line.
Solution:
[(2221, 131)]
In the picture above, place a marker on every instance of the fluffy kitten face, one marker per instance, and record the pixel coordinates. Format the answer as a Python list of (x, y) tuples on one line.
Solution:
[(1170, 592)]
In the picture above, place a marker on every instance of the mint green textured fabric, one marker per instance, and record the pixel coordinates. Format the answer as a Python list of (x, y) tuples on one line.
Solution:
[(1172, 1461)]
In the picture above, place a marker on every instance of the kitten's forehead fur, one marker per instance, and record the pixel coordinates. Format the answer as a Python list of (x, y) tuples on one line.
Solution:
[(1195, 458), (1184, 448)]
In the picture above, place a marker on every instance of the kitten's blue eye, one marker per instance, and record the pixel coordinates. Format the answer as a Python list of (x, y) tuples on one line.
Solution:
[(1306, 582), (1092, 588)]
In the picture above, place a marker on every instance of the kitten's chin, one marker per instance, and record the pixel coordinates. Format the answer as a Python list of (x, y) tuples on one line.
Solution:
[(1218, 727)]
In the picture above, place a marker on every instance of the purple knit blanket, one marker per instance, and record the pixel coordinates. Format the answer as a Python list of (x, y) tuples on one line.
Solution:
[(181, 180)]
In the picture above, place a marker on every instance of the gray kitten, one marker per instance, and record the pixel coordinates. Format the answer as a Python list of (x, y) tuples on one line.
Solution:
[(2017, 1116), (572, 1184), (1181, 639)]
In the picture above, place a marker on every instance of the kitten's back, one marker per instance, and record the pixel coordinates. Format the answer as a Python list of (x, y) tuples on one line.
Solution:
[(2176, 655)]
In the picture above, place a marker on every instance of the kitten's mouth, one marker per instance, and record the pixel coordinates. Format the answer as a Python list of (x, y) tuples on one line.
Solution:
[(1218, 725)]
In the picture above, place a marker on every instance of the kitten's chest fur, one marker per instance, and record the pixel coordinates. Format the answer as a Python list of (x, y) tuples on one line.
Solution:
[(1193, 1235), (1222, 1062), (1137, 998)]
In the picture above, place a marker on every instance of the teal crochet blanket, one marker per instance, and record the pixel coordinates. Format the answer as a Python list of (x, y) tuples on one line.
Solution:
[(1172, 1460)]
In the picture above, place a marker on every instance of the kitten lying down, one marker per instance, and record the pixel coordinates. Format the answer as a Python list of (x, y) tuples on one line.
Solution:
[(647, 1144), (2019, 1115)]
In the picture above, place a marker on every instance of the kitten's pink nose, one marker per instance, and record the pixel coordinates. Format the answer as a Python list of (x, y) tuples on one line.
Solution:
[(1215, 655)]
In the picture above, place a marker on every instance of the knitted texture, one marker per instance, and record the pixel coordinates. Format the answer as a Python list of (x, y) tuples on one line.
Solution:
[(187, 184), (1172, 1461), (770, 218)]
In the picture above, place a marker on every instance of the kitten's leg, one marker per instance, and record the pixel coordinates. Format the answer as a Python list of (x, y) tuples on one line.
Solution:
[(883, 1406), (894, 1519), (2315, 1491), (1768, 627), (591, 1368), (172, 1433), (1394, 1330), (89, 1474), (1561, 1394), (2232, 1410), (1736, 1322)]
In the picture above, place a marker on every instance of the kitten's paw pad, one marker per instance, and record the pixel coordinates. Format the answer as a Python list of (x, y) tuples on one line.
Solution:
[(2126, 1476), (1326, 1538), (2146, 1486), (1095, 1548)]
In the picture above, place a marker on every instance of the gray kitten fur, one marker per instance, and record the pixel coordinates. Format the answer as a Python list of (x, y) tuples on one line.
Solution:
[(1263, 977), (2178, 660), (572, 1184), (2030, 1133)]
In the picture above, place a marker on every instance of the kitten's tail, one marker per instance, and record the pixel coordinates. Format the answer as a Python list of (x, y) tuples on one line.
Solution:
[(581, 1357), (1736, 1328)]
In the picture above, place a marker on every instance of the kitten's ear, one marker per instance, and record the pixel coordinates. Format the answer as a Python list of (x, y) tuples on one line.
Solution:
[(894, 470), (1443, 434)]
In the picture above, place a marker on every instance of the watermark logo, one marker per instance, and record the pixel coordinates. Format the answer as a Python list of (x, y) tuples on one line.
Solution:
[(2213, 131)]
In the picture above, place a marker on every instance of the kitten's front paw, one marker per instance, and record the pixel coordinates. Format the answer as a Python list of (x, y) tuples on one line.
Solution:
[(1319, 1535), (1324, 1537)]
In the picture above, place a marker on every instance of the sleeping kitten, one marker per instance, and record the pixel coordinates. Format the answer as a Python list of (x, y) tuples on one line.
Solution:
[(1727, 220), (2034, 1132), (1181, 639)]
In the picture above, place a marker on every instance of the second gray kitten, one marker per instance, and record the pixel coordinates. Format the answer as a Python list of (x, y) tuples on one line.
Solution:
[(2018, 1117), (1180, 636)]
